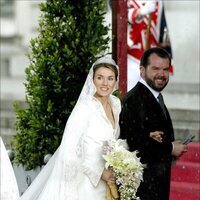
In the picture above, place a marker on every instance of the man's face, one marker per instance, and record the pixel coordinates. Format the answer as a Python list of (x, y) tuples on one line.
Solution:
[(157, 72)]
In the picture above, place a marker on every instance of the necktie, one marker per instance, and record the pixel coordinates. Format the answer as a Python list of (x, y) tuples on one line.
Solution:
[(161, 102)]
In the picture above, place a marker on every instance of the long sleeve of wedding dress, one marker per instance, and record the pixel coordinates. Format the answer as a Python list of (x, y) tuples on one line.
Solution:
[(8, 184)]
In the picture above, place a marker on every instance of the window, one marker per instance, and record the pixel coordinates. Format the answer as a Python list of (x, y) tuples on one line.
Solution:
[(5, 67), (7, 8)]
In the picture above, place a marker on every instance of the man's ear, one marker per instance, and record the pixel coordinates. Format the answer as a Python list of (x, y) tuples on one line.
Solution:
[(142, 71)]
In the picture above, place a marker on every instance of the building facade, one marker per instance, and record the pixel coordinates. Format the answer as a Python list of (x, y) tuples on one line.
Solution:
[(19, 21)]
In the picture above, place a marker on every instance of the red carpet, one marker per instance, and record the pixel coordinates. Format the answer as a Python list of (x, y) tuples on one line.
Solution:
[(185, 178)]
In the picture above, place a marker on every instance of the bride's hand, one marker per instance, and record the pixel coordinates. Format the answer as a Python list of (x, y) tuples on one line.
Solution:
[(108, 176)]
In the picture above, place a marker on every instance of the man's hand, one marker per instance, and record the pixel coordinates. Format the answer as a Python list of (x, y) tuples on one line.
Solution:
[(178, 148), (157, 135)]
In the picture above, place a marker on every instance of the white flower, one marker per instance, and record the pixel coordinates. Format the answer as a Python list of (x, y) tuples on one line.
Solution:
[(127, 168)]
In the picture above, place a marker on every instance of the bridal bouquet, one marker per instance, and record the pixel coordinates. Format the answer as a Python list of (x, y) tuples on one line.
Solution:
[(127, 168)]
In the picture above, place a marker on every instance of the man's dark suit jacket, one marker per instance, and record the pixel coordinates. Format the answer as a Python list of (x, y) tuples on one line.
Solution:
[(142, 114)]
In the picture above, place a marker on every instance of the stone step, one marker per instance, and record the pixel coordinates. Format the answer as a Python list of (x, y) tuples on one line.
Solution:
[(184, 191), (185, 176), (185, 118), (182, 96), (193, 153), (184, 171)]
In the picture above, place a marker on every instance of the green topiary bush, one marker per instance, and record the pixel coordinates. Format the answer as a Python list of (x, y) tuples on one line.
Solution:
[(71, 36)]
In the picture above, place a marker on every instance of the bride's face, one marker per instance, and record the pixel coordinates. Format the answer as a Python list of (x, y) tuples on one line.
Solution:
[(104, 80)]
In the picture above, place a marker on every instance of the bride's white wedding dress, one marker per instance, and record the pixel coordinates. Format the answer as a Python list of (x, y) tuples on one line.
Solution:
[(8, 184), (74, 171)]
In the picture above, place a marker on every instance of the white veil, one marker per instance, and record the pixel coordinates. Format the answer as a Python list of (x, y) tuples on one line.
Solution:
[(60, 178), (89, 87), (8, 183)]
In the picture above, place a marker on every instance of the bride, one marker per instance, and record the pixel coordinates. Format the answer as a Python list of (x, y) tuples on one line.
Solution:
[(76, 170)]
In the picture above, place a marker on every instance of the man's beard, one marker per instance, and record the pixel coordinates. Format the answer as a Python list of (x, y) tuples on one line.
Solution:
[(152, 84)]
